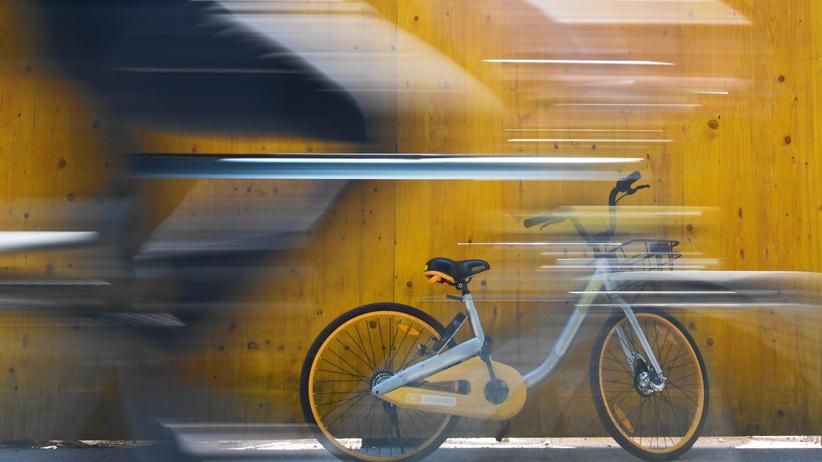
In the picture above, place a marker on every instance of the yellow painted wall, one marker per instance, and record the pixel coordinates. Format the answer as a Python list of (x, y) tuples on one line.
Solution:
[(752, 155)]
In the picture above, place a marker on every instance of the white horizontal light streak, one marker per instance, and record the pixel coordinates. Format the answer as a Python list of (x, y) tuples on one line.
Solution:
[(205, 70), (638, 267), (691, 304), (68, 282), (537, 244), (629, 213), (13, 240), (584, 130), (584, 260), (591, 260), (588, 140), (654, 292), (659, 105), (610, 62), (303, 7), (711, 92), (640, 12), (380, 167), (438, 160), (214, 438)]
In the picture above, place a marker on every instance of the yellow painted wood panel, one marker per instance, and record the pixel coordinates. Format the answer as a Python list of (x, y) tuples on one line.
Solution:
[(752, 156)]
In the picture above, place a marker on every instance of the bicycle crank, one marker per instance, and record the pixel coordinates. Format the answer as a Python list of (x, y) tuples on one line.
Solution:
[(498, 399)]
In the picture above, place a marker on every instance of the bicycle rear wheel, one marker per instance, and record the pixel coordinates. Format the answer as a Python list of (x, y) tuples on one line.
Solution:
[(356, 351), (650, 424)]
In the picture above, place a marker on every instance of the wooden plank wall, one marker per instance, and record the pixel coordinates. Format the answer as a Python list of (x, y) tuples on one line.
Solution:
[(749, 158)]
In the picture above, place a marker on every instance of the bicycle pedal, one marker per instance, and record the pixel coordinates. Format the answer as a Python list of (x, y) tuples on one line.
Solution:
[(503, 430)]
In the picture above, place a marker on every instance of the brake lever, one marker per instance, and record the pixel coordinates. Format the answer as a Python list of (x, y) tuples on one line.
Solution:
[(633, 191)]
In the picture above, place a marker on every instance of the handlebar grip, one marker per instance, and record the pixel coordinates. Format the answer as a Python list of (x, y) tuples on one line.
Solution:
[(634, 176), (547, 219), (624, 184)]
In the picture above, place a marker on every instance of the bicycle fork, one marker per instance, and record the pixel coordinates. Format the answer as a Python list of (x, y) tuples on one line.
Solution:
[(648, 380)]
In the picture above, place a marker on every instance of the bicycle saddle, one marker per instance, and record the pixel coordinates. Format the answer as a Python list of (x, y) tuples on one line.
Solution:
[(452, 271)]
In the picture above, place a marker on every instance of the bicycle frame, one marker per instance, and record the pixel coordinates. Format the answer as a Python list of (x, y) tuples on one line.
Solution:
[(473, 346)]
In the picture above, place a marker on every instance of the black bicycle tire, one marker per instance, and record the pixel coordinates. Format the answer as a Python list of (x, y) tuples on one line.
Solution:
[(308, 415), (600, 405)]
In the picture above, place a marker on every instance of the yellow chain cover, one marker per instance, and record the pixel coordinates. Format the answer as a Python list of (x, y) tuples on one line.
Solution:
[(473, 404)]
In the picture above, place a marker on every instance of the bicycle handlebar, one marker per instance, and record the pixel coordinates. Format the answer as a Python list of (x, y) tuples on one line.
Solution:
[(623, 185)]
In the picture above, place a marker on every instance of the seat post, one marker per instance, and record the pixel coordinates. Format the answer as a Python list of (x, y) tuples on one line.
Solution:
[(473, 316)]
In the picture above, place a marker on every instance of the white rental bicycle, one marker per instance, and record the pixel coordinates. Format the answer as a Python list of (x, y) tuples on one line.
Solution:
[(387, 382)]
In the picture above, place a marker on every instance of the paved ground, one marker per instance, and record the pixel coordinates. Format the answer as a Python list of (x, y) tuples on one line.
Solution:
[(773, 449), (445, 455)]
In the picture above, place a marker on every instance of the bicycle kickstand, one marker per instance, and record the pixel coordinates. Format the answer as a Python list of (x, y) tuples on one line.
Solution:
[(503, 430)]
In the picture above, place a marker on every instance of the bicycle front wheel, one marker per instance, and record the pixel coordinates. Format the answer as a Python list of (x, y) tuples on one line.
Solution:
[(356, 351), (649, 423)]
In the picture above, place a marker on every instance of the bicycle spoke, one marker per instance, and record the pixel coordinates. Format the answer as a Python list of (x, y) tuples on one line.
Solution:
[(361, 347), (631, 385), (340, 381), (371, 343), (662, 420), (681, 346), (350, 405), (676, 410), (391, 337), (676, 358), (638, 414), (686, 393), (356, 378), (619, 361), (398, 349), (656, 340), (343, 370), (657, 421), (340, 402), (353, 368), (367, 417), (345, 367), (680, 379), (338, 392), (367, 365), (422, 416), (382, 341), (410, 349), (411, 419)]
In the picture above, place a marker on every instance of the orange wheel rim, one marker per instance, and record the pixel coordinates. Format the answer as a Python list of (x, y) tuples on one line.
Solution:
[(686, 383), (357, 359)]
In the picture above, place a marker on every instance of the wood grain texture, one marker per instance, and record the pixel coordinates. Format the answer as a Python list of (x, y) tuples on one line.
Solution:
[(751, 158)]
